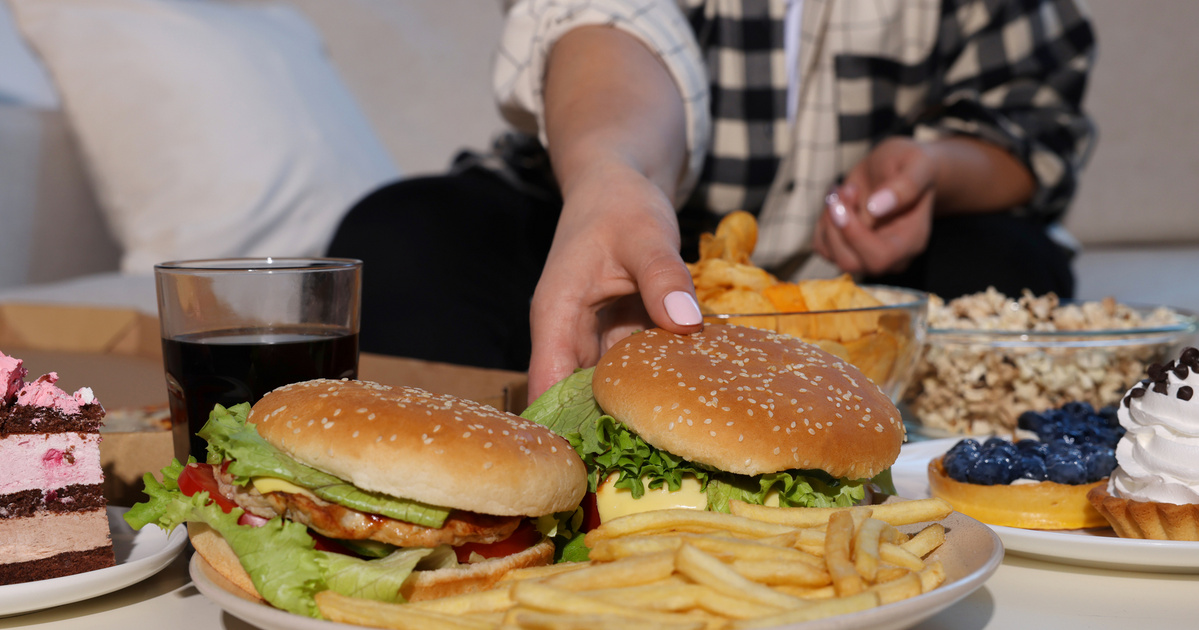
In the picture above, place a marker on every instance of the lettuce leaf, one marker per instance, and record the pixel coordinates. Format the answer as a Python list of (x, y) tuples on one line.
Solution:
[(607, 446), (280, 556), (231, 438), (568, 406)]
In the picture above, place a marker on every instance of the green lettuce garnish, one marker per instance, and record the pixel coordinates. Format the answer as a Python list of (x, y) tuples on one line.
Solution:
[(280, 556), (607, 446), (231, 439)]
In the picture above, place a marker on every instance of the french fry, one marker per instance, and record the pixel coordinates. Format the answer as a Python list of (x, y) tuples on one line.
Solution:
[(865, 548), (774, 572), (932, 576), (837, 543), (366, 612), (538, 620), (731, 606), (493, 600), (628, 571), (669, 594), (710, 571), (555, 600), (813, 611), (900, 557), (684, 520), (896, 513), (926, 541), (899, 589)]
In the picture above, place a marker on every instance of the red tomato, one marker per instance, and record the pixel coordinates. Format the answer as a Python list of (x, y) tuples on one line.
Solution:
[(200, 478), (524, 537), (591, 518)]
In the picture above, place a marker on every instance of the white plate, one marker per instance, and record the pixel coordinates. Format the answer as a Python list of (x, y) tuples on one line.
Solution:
[(139, 554), (1097, 547), (970, 555)]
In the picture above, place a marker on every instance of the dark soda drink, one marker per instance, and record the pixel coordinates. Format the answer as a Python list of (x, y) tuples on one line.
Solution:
[(235, 366)]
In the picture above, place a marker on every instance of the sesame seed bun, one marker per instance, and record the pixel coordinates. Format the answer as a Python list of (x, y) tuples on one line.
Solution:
[(412, 444), (749, 401)]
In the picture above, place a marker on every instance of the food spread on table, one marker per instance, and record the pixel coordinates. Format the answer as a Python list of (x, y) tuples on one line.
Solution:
[(732, 478), (53, 519)]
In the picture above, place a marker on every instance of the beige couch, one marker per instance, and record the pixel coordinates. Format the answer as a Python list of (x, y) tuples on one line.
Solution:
[(419, 70)]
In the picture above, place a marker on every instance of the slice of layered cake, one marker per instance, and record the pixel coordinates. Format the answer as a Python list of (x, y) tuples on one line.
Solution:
[(53, 520)]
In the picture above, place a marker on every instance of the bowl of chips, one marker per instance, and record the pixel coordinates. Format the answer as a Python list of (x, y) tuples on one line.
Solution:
[(878, 329), (989, 357)]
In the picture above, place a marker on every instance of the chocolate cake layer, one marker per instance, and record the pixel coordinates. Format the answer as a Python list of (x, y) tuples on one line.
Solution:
[(28, 419), (69, 499), (69, 563)]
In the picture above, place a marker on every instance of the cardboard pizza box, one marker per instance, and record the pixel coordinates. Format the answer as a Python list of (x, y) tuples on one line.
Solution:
[(118, 354)]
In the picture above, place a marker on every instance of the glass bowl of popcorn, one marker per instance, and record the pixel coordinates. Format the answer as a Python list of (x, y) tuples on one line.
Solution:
[(988, 357), (882, 335)]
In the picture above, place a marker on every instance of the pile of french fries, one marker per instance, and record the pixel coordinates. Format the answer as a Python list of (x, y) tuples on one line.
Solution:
[(728, 283), (757, 567)]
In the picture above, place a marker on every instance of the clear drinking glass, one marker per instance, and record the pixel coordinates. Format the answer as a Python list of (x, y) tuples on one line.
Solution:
[(234, 329)]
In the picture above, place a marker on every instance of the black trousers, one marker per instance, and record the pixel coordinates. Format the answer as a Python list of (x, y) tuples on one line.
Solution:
[(450, 264)]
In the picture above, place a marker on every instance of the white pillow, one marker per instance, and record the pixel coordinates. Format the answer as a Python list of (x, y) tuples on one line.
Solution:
[(208, 130)]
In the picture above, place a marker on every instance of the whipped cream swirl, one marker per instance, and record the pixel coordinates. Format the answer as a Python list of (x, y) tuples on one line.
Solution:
[(1158, 457)]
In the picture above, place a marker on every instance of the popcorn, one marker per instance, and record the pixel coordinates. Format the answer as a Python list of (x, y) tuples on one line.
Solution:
[(964, 386)]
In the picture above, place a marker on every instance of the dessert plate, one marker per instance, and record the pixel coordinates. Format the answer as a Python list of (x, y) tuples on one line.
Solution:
[(1098, 547), (971, 553), (139, 554)]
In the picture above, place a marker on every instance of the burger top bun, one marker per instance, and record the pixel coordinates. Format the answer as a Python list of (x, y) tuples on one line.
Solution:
[(749, 401), (432, 448)]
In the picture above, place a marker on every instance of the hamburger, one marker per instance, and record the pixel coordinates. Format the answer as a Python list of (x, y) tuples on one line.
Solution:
[(729, 413), (378, 492)]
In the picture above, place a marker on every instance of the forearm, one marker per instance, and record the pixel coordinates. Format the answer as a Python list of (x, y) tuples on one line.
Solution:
[(973, 175), (610, 101)]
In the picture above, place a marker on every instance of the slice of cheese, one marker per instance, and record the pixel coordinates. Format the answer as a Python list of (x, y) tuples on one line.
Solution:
[(274, 484), (612, 502)]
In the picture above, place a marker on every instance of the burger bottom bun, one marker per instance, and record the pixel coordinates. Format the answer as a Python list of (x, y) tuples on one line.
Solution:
[(421, 585), (471, 578), (219, 555)]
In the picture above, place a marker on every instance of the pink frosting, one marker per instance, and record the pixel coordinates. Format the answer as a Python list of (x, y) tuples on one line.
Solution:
[(12, 377), (43, 393)]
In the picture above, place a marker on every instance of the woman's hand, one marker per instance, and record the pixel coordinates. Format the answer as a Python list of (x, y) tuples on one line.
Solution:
[(880, 218), (614, 268)]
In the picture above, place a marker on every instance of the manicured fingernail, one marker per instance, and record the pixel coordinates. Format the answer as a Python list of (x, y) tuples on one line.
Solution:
[(839, 213), (682, 308), (881, 202)]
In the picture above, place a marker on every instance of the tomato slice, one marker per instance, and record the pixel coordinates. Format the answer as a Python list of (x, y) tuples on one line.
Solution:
[(524, 537), (200, 478), (591, 517)]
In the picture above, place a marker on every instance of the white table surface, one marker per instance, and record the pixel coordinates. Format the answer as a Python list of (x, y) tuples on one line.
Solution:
[(1023, 593)]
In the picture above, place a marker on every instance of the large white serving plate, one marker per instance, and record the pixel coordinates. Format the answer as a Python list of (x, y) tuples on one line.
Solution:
[(139, 555), (1098, 547), (970, 555)]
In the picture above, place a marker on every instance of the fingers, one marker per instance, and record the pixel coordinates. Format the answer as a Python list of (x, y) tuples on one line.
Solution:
[(912, 180)]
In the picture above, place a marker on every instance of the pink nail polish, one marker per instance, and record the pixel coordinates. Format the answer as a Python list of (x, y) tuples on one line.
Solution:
[(682, 308), (881, 202), (839, 213)]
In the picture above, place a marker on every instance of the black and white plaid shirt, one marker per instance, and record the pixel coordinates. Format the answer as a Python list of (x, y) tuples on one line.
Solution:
[(1012, 72)]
